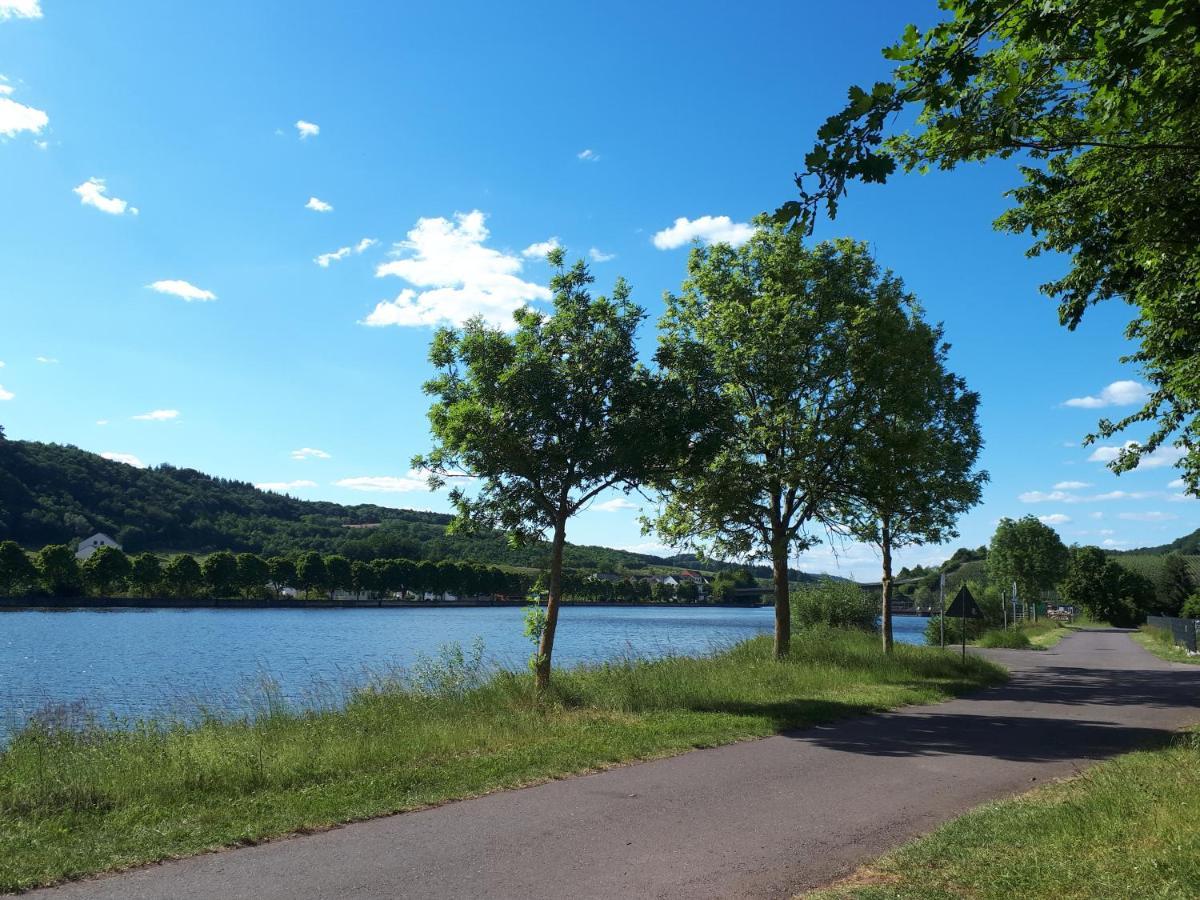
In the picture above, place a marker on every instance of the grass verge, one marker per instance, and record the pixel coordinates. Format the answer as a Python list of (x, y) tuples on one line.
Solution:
[(1162, 645), (78, 802), (1126, 828)]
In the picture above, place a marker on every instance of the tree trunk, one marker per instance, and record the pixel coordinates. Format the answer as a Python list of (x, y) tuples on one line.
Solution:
[(783, 600), (546, 644), (885, 621)]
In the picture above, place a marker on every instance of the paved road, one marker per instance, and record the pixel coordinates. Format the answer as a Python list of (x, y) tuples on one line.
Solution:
[(759, 819)]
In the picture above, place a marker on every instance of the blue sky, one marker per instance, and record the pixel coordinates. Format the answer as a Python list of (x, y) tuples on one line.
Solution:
[(165, 171)]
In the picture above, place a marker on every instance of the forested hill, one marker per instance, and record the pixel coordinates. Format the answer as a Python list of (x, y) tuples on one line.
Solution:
[(51, 493), (1188, 545)]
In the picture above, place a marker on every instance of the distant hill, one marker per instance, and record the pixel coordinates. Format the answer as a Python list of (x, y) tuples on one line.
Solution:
[(55, 493), (1188, 545)]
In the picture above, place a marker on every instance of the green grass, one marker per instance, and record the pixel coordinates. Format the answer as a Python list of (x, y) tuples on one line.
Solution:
[(1010, 638), (1161, 644), (75, 803), (1126, 828)]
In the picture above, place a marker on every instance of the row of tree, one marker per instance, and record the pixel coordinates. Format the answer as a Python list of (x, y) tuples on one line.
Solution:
[(108, 572)]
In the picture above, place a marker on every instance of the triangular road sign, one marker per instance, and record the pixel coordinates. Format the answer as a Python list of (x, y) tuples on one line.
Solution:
[(964, 606)]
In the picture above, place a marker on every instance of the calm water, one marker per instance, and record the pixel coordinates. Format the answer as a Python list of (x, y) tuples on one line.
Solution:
[(133, 663)]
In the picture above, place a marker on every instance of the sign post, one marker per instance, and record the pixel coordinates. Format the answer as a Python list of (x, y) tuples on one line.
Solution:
[(965, 607)]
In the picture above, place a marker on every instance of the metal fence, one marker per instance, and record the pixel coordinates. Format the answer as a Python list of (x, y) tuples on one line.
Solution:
[(1183, 631)]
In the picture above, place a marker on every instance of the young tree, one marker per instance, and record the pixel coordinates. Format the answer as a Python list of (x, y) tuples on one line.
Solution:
[(1027, 552), (916, 474), (146, 573), (310, 572), (282, 573), (548, 418), (17, 573), (58, 570), (338, 574), (1099, 97), (769, 329), (220, 572), (182, 574), (253, 572), (107, 570), (364, 578)]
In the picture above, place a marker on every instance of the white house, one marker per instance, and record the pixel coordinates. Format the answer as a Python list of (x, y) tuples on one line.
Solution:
[(88, 546)]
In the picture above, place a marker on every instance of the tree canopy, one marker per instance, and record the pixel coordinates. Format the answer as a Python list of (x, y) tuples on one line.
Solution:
[(1028, 552), (1099, 101)]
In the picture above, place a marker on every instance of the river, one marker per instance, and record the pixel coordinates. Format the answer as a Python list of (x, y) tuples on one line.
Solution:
[(133, 663)]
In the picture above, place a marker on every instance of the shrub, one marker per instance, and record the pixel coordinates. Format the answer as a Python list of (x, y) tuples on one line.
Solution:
[(1191, 607), (1012, 638), (975, 627), (833, 603)]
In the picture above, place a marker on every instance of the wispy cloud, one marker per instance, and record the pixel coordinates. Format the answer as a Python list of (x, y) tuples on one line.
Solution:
[(616, 504), (93, 192), (1163, 456), (1065, 496), (127, 458), (326, 258), (46, 360), (308, 129), (184, 290), (706, 229), (5, 394), (541, 249), (158, 415), (309, 453), (317, 205), (365, 244), (588, 155), (455, 277), (600, 256), (1119, 393), (1054, 519), (415, 480), (281, 487), (17, 117), (1072, 485), (20, 9), (1153, 516)]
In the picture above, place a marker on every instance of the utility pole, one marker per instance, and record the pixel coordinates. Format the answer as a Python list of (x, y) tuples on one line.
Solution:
[(942, 604)]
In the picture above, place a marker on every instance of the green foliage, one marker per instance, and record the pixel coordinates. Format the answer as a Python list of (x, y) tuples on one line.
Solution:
[(953, 630), (1191, 607), (1098, 97), (58, 570), (725, 583), (1027, 552), (338, 574), (107, 570), (1173, 585), (310, 572), (183, 576), (1108, 591), (252, 574), (220, 571), (17, 572), (833, 603), (1010, 638), (453, 673), (146, 573)]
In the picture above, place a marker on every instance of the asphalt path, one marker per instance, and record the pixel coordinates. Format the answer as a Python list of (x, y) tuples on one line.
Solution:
[(765, 818)]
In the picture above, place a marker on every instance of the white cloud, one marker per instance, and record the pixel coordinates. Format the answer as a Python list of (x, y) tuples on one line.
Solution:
[(127, 458), (1062, 496), (158, 415), (1163, 456), (182, 289), (415, 480), (46, 360), (309, 453), (281, 487), (1054, 519), (651, 548), (616, 504), (6, 395), (307, 129), (1042, 497), (1119, 393), (600, 256), (326, 258), (20, 9), (318, 205), (1153, 516), (1, 364), (541, 249), (365, 244), (588, 155), (460, 277), (1111, 543), (1071, 485), (706, 229), (17, 117), (1180, 498), (102, 421), (92, 193), (1097, 515)]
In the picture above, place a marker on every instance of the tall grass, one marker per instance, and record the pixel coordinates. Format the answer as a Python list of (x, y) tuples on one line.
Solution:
[(76, 801)]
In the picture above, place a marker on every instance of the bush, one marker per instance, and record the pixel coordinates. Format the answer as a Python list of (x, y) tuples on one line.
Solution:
[(1011, 638), (833, 603), (1191, 607), (975, 627)]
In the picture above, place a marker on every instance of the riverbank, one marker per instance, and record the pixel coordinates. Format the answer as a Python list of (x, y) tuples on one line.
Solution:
[(1126, 828), (78, 802), (36, 603)]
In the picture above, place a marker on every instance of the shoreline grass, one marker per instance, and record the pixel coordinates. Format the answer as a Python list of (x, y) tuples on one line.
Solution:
[(73, 803), (1161, 644), (1125, 828)]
